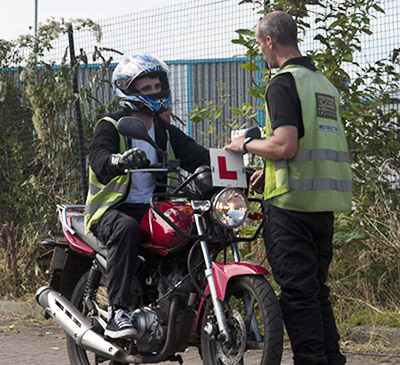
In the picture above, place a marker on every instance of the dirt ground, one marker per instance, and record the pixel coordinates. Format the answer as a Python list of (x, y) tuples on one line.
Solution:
[(27, 339)]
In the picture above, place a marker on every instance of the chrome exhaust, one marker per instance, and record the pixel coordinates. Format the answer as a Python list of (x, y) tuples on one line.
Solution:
[(77, 325)]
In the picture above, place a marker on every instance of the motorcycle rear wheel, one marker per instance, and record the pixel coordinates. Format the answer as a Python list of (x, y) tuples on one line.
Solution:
[(255, 325), (78, 355)]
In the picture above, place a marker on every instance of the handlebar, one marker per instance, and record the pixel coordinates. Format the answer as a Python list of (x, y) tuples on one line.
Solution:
[(157, 167), (149, 169), (181, 192)]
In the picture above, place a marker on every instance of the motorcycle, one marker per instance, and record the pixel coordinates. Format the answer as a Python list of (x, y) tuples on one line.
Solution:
[(189, 289)]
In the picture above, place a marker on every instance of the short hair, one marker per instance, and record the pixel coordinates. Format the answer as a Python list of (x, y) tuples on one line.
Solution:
[(280, 26)]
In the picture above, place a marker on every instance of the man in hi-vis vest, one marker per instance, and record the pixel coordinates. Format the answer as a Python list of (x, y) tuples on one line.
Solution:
[(307, 177), (117, 201)]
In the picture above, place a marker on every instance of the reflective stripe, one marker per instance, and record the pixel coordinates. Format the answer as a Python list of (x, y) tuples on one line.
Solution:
[(92, 207), (93, 189), (281, 164), (112, 186), (321, 184), (322, 154), (315, 155), (101, 197), (115, 187)]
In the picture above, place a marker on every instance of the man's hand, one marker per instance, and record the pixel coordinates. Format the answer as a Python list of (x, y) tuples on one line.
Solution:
[(131, 159), (236, 145), (257, 182)]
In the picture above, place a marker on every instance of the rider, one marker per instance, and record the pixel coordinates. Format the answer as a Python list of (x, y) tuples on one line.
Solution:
[(117, 201)]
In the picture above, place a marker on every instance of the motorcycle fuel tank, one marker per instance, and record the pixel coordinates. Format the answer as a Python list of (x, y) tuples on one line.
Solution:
[(157, 234)]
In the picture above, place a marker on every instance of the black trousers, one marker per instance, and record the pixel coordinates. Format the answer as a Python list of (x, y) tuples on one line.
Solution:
[(299, 250), (119, 230)]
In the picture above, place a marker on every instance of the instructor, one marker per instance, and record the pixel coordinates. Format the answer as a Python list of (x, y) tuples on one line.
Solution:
[(307, 178)]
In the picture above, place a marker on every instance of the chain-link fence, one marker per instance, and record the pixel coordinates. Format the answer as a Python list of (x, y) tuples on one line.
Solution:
[(195, 39)]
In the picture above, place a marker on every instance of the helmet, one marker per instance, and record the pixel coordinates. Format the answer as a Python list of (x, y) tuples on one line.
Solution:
[(134, 68)]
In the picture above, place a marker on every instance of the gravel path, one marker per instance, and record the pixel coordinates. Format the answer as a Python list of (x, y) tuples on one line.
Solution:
[(37, 342)]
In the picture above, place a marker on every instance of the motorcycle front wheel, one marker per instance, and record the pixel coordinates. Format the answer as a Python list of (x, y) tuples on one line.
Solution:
[(255, 325), (78, 355)]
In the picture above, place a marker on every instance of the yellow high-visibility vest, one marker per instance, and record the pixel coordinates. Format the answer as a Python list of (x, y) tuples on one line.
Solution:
[(319, 176)]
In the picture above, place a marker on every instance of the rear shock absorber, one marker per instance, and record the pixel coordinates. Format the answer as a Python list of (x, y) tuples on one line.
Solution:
[(91, 289)]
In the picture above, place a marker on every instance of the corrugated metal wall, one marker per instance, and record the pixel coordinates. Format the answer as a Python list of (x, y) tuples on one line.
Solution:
[(206, 87)]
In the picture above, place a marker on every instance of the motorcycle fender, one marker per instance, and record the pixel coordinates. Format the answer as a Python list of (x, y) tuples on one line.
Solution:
[(66, 268), (223, 273)]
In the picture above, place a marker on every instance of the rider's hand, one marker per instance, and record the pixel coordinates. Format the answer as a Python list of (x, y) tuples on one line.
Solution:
[(131, 159)]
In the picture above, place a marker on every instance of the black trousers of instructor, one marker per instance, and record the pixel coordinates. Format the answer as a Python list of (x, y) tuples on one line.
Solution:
[(119, 230), (299, 250)]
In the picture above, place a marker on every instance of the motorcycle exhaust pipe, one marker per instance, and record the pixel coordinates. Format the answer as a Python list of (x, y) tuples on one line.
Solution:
[(76, 324), (78, 327)]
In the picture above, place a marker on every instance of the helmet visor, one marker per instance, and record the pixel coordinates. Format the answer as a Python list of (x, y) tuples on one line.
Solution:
[(128, 85)]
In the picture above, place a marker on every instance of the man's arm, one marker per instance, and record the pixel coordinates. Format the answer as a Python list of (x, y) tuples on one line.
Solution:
[(105, 142), (282, 145), (190, 153)]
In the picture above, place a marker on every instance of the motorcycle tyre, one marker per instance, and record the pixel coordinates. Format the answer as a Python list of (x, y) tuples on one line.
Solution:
[(260, 289), (78, 355)]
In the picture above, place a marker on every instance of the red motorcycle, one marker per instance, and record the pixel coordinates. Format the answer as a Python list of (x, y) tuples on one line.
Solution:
[(186, 291)]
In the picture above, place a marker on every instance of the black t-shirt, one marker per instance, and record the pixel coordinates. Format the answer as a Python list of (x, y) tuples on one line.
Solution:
[(282, 99)]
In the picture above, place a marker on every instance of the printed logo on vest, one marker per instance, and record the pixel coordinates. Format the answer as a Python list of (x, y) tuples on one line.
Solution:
[(326, 106), (327, 128)]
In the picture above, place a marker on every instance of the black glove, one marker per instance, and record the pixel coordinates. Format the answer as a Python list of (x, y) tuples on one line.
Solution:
[(131, 159)]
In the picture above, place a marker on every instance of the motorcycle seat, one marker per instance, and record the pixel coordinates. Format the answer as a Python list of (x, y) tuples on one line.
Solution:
[(78, 224)]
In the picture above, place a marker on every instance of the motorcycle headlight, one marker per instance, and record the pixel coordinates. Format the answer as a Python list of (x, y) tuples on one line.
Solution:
[(230, 208)]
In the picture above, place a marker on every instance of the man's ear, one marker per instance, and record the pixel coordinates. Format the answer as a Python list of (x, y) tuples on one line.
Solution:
[(270, 41)]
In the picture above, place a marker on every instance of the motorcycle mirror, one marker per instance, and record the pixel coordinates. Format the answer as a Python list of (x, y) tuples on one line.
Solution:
[(134, 128), (202, 169), (253, 132)]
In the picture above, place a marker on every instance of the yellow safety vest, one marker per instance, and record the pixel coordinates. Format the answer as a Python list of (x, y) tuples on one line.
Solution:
[(102, 197), (319, 176)]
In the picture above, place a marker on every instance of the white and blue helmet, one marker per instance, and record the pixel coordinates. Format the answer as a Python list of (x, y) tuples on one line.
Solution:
[(133, 68)]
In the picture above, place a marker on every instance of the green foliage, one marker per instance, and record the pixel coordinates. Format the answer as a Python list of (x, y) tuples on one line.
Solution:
[(211, 114), (16, 146), (39, 146)]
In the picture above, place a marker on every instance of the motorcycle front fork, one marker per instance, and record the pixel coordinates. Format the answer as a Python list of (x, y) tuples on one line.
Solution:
[(217, 304)]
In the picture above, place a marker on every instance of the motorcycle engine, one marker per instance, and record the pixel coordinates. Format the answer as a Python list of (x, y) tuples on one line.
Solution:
[(151, 326), (151, 321)]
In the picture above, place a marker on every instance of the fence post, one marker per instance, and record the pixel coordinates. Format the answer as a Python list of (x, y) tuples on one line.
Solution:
[(78, 114)]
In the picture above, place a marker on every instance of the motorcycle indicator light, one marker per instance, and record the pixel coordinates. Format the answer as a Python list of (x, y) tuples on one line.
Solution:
[(230, 208), (186, 210), (256, 216)]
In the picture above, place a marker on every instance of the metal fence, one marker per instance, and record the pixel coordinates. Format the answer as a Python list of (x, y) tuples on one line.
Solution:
[(195, 38)]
